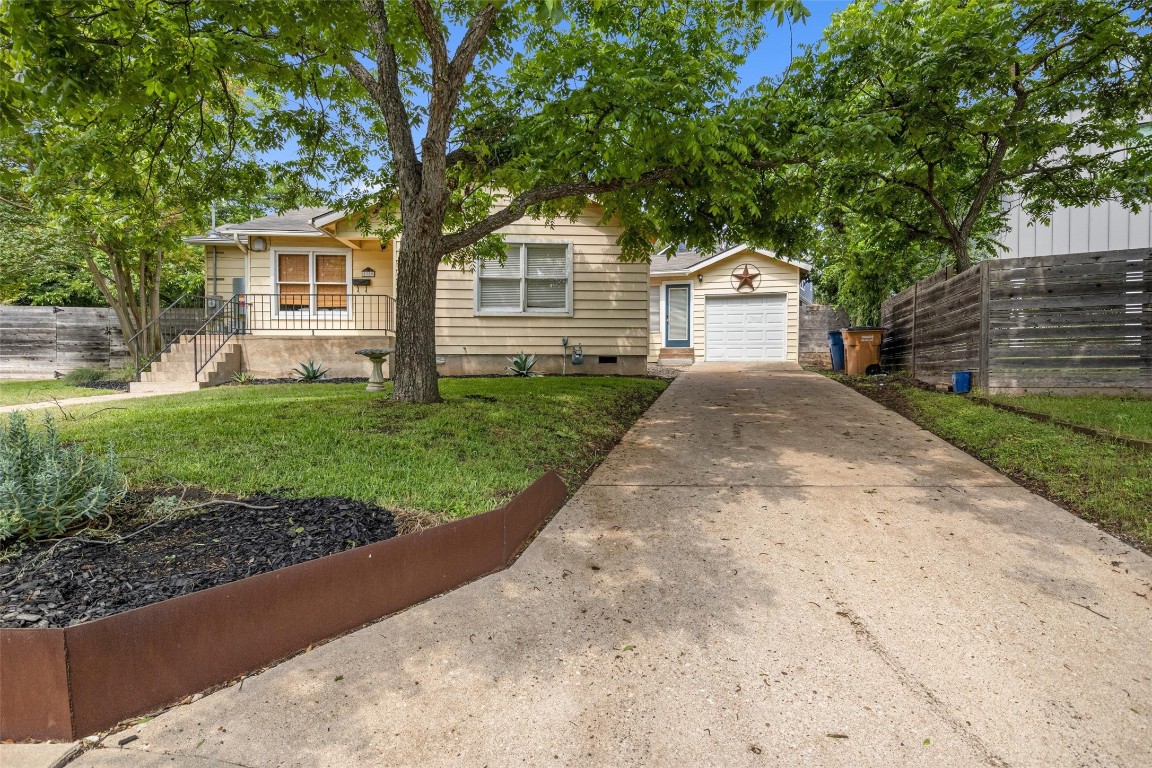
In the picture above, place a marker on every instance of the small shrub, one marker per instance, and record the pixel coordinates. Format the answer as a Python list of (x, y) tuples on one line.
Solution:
[(48, 487), (86, 376), (243, 377), (522, 365), (310, 370)]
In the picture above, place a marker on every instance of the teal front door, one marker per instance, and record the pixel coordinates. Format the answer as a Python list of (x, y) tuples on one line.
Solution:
[(677, 315)]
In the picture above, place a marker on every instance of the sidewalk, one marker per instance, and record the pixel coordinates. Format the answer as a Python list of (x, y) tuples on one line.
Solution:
[(70, 401)]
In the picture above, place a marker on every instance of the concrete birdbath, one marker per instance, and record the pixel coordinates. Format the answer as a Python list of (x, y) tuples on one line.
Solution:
[(377, 356)]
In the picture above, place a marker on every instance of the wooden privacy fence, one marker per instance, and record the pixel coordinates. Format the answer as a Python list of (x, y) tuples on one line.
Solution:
[(1080, 322), (36, 342)]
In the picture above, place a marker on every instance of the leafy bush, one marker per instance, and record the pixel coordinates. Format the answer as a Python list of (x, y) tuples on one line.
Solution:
[(522, 365), (310, 370), (243, 377), (48, 487)]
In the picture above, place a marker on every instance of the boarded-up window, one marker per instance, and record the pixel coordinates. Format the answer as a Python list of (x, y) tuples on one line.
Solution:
[(534, 278)]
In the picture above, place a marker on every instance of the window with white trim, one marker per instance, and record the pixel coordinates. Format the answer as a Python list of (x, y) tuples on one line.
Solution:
[(535, 278), (311, 281)]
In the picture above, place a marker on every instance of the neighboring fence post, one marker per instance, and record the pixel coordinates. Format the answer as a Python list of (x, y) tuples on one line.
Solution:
[(915, 291), (985, 318), (1146, 317)]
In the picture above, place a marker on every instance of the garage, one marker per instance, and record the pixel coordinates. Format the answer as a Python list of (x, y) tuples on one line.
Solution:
[(746, 327)]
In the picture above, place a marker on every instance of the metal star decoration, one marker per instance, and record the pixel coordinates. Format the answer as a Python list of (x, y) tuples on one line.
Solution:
[(747, 278)]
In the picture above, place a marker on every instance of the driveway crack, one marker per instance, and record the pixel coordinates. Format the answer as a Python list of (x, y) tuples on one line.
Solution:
[(913, 684)]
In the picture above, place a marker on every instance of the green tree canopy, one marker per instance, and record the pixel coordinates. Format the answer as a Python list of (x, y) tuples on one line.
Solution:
[(447, 119), (927, 115)]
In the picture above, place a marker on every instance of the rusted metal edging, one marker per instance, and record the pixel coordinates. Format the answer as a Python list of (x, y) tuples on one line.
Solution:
[(60, 684)]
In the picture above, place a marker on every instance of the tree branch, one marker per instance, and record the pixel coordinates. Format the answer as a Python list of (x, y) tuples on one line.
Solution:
[(543, 194), (385, 91), (447, 81)]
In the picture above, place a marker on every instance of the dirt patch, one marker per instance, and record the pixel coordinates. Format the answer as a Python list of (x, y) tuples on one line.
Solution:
[(73, 580)]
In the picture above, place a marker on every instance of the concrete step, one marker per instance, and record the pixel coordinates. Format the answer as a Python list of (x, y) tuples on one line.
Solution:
[(677, 356), (178, 365)]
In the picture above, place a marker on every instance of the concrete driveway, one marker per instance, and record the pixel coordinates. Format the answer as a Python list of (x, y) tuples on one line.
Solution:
[(771, 570)]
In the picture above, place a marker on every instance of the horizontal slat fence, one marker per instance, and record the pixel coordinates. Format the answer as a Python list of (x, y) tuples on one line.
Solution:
[(37, 342), (1070, 323)]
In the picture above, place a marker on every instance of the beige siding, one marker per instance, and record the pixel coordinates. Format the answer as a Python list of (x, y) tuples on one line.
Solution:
[(775, 277), (228, 264), (609, 300)]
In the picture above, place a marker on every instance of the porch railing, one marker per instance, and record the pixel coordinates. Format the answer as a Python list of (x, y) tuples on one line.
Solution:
[(180, 318), (211, 337), (246, 313), (315, 312)]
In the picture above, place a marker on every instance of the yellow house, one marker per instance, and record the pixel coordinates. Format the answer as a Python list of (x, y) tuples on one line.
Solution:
[(738, 304), (309, 284)]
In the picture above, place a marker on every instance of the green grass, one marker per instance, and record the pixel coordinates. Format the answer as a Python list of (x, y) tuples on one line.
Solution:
[(1097, 478), (1124, 416), (489, 440), (23, 392)]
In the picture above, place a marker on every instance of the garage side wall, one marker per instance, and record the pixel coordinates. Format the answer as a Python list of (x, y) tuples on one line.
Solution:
[(775, 277)]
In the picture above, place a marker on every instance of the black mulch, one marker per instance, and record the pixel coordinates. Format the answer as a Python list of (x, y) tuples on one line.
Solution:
[(80, 581), (121, 386), (345, 380)]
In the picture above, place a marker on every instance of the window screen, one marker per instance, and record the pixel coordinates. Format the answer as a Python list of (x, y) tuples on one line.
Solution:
[(535, 277)]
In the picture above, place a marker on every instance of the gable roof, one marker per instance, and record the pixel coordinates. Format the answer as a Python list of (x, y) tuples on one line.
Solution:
[(687, 262)]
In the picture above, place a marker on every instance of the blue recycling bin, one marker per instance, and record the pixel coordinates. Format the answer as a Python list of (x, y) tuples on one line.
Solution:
[(836, 348), (962, 382)]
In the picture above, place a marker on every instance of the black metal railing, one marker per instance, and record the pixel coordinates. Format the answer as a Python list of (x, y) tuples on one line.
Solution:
[(180, 318), (246, 313), (216, 331), (316, 312)]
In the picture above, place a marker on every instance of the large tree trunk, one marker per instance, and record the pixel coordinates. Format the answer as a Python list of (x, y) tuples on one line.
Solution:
[(961, 254), (414, 362)]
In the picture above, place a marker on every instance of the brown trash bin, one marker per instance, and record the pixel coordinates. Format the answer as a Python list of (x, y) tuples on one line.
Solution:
[(861, 349)]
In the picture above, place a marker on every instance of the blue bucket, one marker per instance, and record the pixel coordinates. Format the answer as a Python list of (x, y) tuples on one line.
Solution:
[(836, 348), (962, 382)]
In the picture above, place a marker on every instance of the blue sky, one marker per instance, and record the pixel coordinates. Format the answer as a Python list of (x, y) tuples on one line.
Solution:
[(779, 43)]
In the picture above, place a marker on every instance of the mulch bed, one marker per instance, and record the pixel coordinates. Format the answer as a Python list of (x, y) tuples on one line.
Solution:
[(58, 584), (119, 386), (346, 380)]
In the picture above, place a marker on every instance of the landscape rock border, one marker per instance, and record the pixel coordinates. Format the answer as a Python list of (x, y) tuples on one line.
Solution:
[(63, 684)]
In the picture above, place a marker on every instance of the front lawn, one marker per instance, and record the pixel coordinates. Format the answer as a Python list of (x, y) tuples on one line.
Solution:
[(489, 440), (1103, 481), (46, 390), (1123, 416)]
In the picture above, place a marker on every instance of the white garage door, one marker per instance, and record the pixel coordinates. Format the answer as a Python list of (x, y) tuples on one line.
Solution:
[(746, 327)]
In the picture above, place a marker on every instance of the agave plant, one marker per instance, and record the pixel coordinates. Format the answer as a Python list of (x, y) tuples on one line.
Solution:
[(310, 370), (522, 365), (243, 377)]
